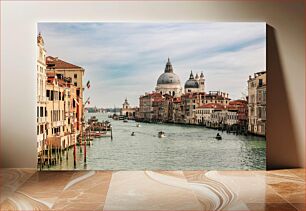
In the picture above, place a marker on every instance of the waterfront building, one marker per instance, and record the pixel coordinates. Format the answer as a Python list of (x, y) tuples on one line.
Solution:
[(149, 106), (241, 107), (257, 103), (62, 112), (41, 93), (166, 108), (217, 97), (169, 82), (63, 69), (195, 84), (204, 114), (218, 116), (230, 117), (71, 115), (177, 110), (127, 110), (190, 101)]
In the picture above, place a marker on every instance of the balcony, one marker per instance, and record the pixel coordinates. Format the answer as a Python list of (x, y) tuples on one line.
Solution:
[(41, 98), (41, 119), (58, 123)]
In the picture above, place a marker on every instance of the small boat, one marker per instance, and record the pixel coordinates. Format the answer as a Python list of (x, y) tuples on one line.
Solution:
[(125, 121), (92, 119), (218, 136), (133, 134), (138, 125), (121, 117), (161, 134)]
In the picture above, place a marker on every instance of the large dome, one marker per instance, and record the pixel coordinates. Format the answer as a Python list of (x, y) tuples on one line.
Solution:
[(191, 82), (168, 77)]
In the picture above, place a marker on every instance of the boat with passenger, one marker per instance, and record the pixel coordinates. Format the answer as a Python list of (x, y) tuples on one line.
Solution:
[(161, 134), (218, 137)]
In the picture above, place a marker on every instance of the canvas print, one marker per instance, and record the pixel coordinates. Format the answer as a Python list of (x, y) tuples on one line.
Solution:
[(157, 96)]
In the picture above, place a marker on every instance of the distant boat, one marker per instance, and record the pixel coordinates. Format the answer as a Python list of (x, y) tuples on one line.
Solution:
[(133, 134), (125, 121), (161, 134), (218, 136), (92, 119), (138, 125)]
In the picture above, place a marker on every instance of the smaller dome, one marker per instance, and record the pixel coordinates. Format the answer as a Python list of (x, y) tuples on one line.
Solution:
[(191, 82)]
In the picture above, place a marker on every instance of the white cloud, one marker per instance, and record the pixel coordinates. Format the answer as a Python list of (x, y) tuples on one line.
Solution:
[(123, 60)]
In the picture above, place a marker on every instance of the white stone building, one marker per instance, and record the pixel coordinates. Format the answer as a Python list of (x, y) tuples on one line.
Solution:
[(41, 93), (127, 110), (257, 103)]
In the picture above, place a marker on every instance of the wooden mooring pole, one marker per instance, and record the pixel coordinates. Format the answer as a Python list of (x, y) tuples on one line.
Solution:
[(111, 132), (74, 155)]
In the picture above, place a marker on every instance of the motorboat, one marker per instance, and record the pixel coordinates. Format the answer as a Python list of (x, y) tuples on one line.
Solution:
[(161, 134), (133, 134), (125, 121), (218, 136), (138, 125), (121, 117)]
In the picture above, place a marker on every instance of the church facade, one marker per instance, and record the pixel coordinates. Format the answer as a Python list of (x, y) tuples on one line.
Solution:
[(127, 110)]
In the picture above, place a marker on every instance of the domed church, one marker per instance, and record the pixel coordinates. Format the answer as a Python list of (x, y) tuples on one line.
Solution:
[(169, 82), (195, 84)]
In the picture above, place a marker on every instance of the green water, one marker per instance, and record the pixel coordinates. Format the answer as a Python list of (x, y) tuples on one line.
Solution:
[(183, 148)]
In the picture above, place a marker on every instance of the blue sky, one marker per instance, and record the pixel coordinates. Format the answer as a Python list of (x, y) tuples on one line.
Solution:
[(125, 59)]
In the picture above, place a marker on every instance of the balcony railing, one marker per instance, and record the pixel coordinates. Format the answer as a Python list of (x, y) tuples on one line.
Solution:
[(41, 98)]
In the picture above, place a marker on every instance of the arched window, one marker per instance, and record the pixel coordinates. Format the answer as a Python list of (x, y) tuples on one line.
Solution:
[(173, 93)]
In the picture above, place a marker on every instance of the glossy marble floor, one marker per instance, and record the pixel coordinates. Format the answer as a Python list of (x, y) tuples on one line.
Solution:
[(26, 189)]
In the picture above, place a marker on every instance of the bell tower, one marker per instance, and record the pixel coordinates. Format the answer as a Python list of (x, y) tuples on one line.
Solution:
[(202, 83)]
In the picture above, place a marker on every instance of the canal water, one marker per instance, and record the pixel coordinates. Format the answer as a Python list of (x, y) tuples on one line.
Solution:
[(183, 148)]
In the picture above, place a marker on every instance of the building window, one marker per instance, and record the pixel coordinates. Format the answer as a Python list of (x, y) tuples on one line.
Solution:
[(75, 75), (41, 111), (41, 129), (75, 84), (52, 95)]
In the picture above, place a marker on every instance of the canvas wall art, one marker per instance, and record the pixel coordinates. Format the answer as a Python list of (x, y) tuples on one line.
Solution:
[(157, 96)]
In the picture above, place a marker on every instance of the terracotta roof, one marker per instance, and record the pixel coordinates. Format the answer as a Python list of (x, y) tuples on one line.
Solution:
[(155, 94), (157, 100), (177, 100), (212, 105), (60, 64), (238, 102), (232, 107)]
